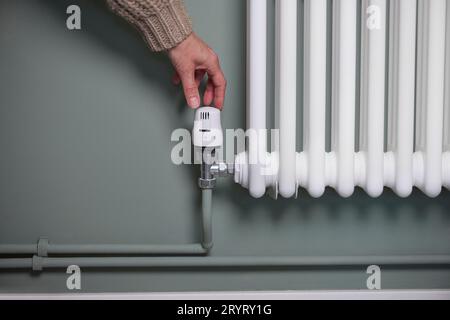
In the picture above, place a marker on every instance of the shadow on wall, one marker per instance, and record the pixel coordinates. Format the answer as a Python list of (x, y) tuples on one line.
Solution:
[(121, 38), (359, 206), (112, 31)]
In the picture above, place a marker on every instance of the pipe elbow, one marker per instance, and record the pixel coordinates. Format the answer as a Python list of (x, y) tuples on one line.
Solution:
[(207, 247)]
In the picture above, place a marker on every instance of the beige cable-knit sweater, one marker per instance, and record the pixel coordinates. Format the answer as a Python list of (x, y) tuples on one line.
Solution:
[(163, 23)]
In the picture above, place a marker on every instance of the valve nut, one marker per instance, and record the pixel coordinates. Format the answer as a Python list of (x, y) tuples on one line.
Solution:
[(206, 183)]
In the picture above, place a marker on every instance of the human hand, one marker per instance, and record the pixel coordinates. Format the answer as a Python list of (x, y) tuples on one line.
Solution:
[(192, 59)]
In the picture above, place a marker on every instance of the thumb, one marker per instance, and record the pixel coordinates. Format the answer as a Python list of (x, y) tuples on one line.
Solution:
[(190, 89)]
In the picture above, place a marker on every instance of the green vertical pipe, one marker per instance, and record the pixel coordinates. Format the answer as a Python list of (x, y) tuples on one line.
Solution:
[(207, 241)]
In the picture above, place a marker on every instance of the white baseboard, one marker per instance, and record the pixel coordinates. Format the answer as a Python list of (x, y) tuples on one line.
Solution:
[(246, 295)]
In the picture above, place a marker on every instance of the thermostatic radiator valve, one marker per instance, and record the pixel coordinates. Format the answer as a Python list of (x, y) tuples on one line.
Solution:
[(207, 138)]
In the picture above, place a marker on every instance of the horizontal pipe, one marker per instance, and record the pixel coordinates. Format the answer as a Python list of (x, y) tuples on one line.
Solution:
[(127, 249), (105, 249), (18, 249), (228, 262)]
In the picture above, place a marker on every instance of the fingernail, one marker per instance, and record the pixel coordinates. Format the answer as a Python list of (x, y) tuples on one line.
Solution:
[(194, 102)]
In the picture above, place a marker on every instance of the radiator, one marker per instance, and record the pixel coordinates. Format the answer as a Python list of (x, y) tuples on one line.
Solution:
[(389, 83)]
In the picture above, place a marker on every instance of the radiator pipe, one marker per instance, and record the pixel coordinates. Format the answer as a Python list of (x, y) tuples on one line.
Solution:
[(104, 249), (286, 93), (44, 249), (207, 241), (256, 97), (226, 262)]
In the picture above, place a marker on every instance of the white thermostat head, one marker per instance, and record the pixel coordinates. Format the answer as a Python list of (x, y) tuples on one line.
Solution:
[(207, 130)]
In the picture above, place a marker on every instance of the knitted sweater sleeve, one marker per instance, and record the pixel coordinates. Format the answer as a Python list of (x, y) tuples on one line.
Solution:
[(163, 23)]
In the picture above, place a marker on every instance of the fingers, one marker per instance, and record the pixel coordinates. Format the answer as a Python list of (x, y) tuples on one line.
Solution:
[(199, 75), (190, 89), (220, 86), (176, 79), (215, 74), (208, 96), (190, 75)]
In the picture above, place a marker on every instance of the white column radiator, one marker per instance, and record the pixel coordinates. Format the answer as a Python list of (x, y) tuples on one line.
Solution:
[(389, 82)]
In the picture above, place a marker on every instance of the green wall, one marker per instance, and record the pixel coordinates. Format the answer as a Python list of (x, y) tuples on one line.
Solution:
[(85, 124)]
